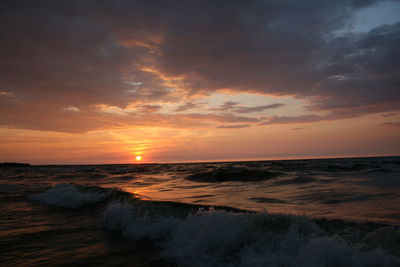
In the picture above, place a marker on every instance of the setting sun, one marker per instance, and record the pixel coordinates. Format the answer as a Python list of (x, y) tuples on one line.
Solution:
[(138, 157)]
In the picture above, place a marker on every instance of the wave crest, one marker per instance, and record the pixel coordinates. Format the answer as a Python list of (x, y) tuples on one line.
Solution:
[(221, 238), (68, 196)]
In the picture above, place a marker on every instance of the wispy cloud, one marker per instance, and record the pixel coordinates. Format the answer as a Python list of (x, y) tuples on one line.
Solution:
[(187, 106), (148, 108), (391, 114), (72, 108), (392, 123), (234, 126), (257, 108), (235, 107), (226, 106)]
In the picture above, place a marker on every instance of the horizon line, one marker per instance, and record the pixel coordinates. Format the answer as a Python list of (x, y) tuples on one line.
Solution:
[(217, 161)]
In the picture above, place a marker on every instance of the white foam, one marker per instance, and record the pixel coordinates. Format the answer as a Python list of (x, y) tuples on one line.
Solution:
[(123, 217), (68, 196), (220, 238)]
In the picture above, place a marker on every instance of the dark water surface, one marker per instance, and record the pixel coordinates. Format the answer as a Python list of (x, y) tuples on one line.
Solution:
[(332, 212)]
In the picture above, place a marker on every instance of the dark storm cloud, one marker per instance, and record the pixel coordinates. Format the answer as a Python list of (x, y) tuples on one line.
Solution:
[(362, 71), (58, 54)]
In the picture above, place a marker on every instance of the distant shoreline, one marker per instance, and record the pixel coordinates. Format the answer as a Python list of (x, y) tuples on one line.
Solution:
[(14, 164), (209, 162)]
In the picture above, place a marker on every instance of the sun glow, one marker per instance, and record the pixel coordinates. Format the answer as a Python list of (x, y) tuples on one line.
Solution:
[(138, 157)]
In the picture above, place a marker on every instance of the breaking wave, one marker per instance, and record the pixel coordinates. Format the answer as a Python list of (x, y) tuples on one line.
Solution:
[(68, 196), (220, 238), (194, 235)]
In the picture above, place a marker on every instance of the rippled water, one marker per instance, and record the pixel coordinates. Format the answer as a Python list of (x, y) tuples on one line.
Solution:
[(71, 223)]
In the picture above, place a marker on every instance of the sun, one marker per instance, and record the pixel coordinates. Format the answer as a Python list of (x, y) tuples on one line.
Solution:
[(138, 157)]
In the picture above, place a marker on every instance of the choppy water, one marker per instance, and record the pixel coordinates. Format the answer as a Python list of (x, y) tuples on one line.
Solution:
[(336, 212)]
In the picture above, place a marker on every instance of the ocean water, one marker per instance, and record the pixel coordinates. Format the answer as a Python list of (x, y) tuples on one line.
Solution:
[(326, 212)]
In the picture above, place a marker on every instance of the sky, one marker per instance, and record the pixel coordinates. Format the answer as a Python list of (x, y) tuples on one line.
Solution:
[(94, 82)]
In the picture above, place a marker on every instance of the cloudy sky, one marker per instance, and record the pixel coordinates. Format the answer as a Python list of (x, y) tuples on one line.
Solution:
[(196, 80)]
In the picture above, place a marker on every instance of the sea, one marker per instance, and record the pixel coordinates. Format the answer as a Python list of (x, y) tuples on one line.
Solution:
[(316, 212)]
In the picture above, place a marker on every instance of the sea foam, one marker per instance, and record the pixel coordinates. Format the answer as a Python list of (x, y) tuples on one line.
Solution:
[(68, 196), (221, 238)]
